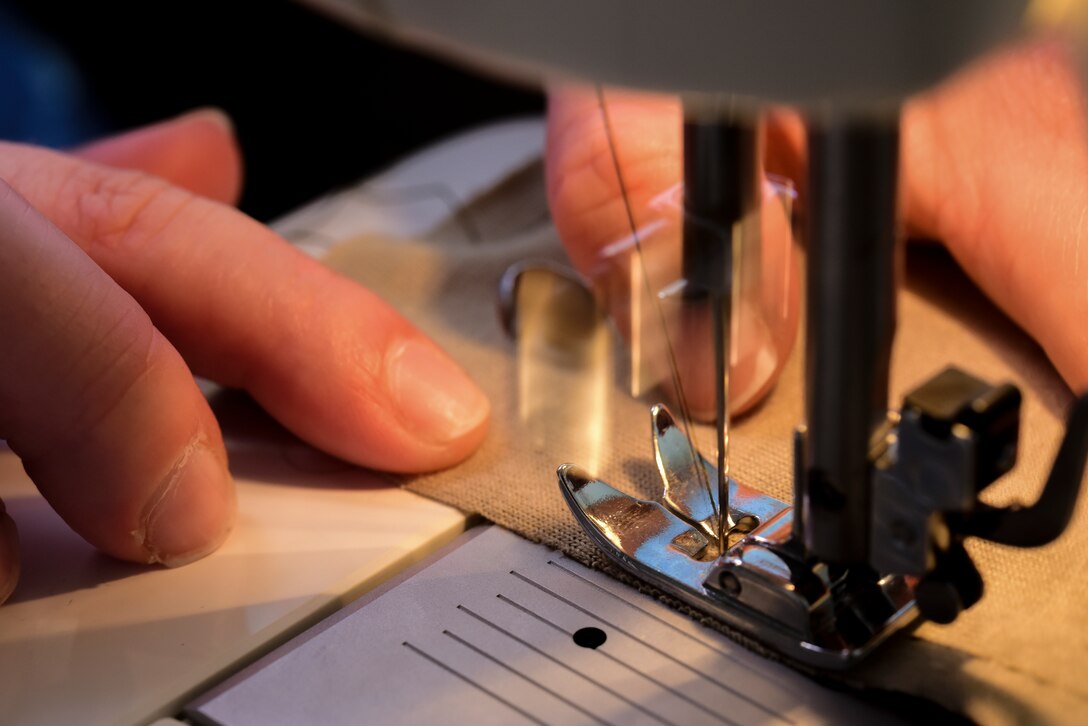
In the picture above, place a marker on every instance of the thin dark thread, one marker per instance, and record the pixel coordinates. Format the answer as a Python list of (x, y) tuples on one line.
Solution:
[(561, 664), (654, 648), (524, 677), (664, 686), (471, 682), (674, 369)]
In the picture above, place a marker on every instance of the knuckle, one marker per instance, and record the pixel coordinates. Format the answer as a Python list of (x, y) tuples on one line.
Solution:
[(122, 355), (117, 211), (118, 356)]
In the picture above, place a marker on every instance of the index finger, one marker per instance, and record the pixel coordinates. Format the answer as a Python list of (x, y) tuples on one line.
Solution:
[(330, 360)]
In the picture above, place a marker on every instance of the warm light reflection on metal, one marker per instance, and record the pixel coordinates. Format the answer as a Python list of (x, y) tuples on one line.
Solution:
[(687, 487), (564, 353)]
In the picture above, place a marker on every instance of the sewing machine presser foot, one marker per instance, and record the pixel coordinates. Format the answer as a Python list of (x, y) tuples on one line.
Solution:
[(763, 585)]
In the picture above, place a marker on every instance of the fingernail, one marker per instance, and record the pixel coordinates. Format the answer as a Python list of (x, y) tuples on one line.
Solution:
[(194, 510), (434, 397), (210, 113), (9, 555)]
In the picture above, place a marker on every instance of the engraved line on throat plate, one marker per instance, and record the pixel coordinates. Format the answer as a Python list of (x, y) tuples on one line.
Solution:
[(641, 641), (671, 626), (528, 679), (607, 689), (627, 666), (454, 672)]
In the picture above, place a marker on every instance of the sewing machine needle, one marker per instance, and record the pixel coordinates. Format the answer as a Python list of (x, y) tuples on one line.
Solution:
[(720, 190), (722, 314)]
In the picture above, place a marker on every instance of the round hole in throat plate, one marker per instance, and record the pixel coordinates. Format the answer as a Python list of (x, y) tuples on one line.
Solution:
[(590, 637)]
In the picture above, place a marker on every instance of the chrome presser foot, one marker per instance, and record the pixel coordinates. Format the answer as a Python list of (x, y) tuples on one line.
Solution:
[(764, 585)]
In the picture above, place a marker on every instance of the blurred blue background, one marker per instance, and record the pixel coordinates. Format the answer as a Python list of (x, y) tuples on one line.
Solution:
[(43, 97), (315, 104)]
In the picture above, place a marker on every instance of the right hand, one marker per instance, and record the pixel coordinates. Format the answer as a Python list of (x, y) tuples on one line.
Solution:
[(994, 164)]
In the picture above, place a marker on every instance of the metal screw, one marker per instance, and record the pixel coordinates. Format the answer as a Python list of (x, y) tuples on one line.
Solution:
[(729, 583)]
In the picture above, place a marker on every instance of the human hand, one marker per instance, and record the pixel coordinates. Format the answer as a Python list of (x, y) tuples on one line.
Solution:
[(123, 271), (994, 163)]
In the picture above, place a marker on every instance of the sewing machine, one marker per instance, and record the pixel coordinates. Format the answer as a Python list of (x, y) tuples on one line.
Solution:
[(326, 550), (883, 498), (868, 543)]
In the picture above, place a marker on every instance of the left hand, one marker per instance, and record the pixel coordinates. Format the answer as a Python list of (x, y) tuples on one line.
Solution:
[(124, 269)]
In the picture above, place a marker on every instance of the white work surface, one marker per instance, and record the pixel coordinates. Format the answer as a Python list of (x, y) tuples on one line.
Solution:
[(87, 640)]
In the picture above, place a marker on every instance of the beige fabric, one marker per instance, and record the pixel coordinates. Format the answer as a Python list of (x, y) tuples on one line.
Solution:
[(1020, 656)]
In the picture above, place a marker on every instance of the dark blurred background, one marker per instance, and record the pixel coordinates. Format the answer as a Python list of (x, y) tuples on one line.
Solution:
[(316, 105)]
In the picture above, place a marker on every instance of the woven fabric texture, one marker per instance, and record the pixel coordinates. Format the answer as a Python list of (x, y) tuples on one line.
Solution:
[(1021, 655)]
